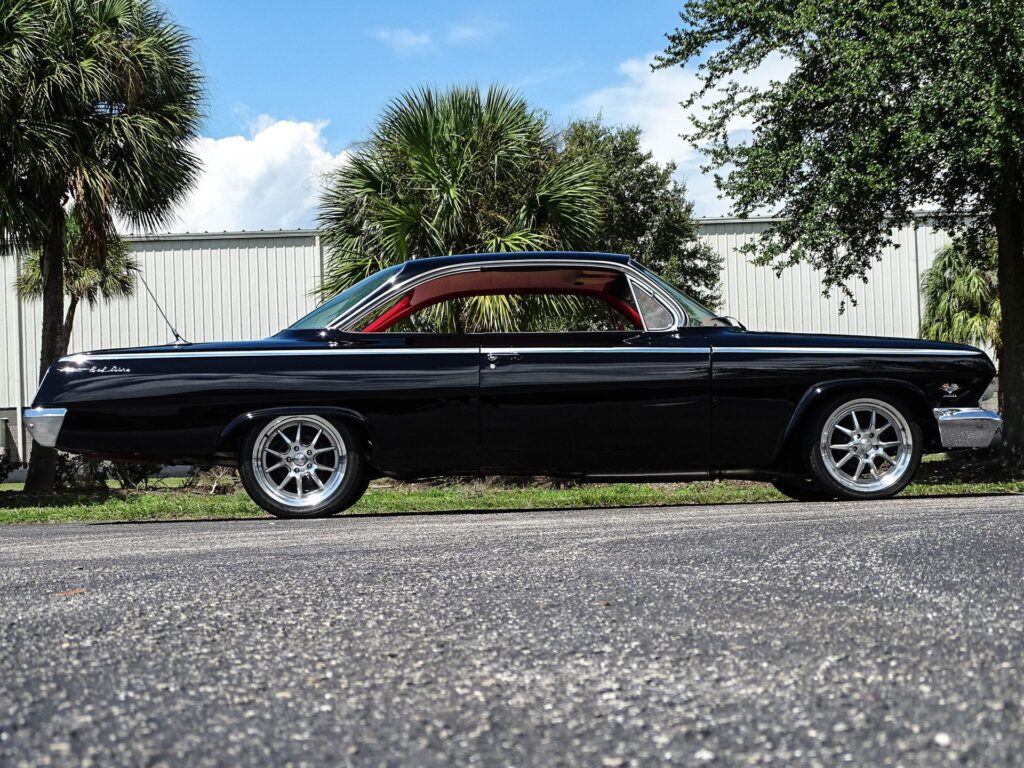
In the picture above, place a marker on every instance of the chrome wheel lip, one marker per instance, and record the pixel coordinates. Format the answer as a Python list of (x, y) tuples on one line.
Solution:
[(323, 436), (898, 451)]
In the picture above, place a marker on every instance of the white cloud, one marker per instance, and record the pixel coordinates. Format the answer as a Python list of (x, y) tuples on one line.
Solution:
[(402, 39), (464, 33), (651, 100), (267, 180)]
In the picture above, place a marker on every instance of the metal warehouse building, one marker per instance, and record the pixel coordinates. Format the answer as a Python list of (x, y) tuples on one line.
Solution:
[(239, 285)]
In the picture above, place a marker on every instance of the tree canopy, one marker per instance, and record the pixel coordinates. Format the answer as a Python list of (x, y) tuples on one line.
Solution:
[(99, 104), (645, 213), (889, 106), (961, 294)]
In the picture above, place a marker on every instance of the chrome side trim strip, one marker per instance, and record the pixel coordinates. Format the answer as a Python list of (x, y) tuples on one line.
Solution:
[(968, 427), (881, 351), (82, 359), (584, 350), (44, 424)]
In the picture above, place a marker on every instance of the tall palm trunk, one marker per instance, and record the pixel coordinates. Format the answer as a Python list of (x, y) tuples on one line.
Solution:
[(43, 464), (69, 323), (1010, 234)]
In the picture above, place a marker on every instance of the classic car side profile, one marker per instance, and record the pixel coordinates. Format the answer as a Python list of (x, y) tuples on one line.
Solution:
[(662, 390)]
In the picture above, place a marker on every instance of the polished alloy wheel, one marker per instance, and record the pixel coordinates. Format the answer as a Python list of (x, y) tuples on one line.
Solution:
[(299, 461), (866, 445)]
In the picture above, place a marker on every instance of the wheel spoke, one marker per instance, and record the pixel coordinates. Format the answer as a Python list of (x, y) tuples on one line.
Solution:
[(317, 480), (280, 486), (275, 466), (860, 468), (284, 437), (844, 430), (845, 459), (298, 486), (843, 446), (318, 451), (890, 443), (856, 423), (312, 443), (279, 455)]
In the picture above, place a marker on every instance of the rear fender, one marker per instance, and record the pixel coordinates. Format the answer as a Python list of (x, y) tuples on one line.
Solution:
[(238, 426)]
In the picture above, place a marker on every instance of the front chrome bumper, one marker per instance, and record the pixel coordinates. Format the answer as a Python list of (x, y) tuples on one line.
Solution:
[(968, 427), (44, 424)]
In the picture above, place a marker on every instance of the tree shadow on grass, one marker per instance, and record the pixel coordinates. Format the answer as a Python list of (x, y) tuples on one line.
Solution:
[(21, 500)]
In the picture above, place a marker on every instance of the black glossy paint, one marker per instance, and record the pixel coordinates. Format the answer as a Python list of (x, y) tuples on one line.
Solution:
[(700, 400)]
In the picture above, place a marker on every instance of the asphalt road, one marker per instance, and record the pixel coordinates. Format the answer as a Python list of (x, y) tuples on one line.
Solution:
[(781, 634)]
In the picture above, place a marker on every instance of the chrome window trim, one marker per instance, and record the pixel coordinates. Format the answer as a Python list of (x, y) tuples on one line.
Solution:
[(633, 286), (371, 303)]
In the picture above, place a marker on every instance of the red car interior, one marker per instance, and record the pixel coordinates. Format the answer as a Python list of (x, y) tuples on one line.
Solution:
[(609, 287)]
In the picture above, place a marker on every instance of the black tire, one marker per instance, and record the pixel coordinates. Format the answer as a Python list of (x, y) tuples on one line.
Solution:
[(894, 475), (804, 489), (349, 489)]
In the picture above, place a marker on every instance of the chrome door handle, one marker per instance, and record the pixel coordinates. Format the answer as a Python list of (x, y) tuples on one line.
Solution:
[(495, 356)]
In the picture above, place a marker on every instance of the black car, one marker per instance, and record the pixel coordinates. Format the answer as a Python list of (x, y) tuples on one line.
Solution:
[(660, 389)]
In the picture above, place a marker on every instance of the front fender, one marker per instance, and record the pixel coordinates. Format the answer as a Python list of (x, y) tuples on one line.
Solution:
[(817, 392), (240, 424)]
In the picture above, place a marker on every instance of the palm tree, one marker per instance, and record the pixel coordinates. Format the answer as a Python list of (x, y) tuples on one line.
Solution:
[(961, 295), (99, 103), (111, 278), (457, 171)]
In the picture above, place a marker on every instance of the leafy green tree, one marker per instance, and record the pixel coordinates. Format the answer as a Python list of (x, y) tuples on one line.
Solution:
[(645, 213), (889, 106), (456, 171), (961, 295), (99, 103), (86, 280)]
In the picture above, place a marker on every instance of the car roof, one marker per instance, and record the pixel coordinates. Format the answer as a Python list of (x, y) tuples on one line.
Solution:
[(418, 266)]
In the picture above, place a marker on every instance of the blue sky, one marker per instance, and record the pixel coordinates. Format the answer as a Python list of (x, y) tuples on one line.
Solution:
[(293, 85)]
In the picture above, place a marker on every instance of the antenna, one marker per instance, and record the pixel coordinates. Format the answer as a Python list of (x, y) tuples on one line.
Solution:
[(177, 336)]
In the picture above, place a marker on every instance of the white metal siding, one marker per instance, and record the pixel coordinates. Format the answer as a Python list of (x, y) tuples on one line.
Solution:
[(212, 287), (887, 305)]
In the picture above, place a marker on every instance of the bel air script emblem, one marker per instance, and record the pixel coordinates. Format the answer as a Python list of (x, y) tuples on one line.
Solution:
[(97, 369), (950, 389)]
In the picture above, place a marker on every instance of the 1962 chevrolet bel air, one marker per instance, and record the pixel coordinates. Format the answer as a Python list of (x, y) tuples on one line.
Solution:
[(667, 391)]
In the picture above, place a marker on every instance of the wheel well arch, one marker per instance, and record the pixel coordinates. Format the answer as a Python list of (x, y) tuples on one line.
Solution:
[(232, 435), (818, 393)]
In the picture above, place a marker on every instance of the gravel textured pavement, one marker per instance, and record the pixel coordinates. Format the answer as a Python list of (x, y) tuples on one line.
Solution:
[(778, 634)]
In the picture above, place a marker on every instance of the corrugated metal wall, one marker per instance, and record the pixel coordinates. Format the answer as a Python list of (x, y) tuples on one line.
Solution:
[(249, 285), (888, 304)]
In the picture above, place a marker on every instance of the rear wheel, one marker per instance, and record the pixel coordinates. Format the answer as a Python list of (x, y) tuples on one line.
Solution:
[(864, 448), (302, 466)]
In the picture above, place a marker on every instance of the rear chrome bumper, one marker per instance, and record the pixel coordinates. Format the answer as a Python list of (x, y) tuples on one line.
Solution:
[(968, 427), (44, 424)]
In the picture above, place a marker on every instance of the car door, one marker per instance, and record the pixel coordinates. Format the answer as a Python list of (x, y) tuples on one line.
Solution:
[(601, 403), (419, 393)]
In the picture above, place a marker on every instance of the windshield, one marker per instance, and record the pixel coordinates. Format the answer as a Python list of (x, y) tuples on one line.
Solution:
[(322, 316), (696, 313)]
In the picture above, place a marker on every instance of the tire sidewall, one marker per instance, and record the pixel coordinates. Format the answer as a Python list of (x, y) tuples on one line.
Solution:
[(348, 492), (821, 474)]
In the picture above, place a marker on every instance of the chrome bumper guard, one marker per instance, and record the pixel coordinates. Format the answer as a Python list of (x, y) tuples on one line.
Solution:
[(968, 427), (44, 424)]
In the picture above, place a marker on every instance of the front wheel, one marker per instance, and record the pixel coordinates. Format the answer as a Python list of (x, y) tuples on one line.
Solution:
[(865, 447), (302, 466)]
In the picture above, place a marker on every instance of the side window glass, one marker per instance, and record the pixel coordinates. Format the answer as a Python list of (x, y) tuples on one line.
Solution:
[(656, 315)]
